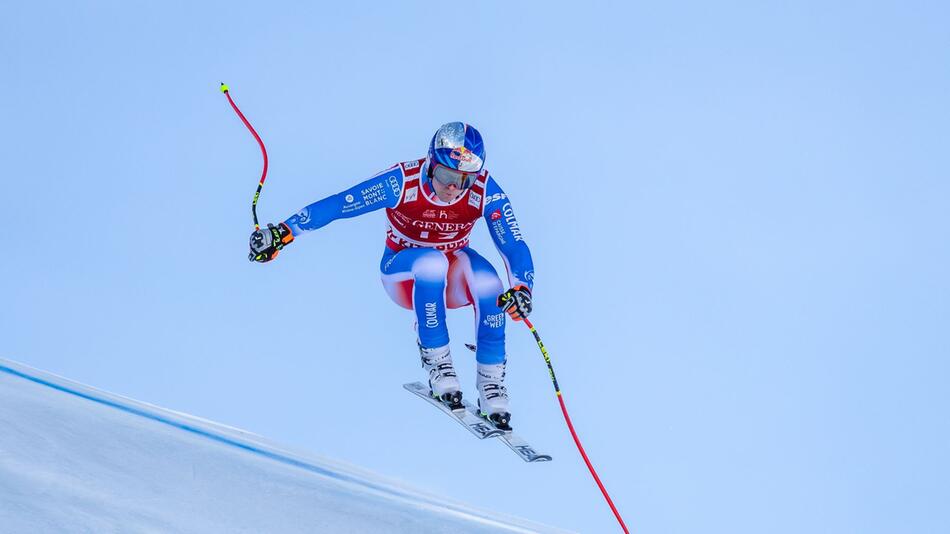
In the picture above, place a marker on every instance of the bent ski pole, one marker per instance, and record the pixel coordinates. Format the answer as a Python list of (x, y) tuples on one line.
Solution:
[(567, 418), (260, 185)]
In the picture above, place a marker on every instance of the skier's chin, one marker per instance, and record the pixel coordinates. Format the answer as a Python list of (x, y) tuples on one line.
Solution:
[(446, 195)]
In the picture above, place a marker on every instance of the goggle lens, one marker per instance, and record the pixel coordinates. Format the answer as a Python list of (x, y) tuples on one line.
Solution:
[(447, 176)]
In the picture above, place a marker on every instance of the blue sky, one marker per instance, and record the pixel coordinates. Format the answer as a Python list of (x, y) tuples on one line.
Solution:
[(738, 216)]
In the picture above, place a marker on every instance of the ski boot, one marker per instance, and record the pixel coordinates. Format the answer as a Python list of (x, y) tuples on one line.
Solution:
[(443, 382), (493, 396)]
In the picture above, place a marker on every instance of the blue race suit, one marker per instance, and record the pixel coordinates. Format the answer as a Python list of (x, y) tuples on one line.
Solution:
[(427, 265)]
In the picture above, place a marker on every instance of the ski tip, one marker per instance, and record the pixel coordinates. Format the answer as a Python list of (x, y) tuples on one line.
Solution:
[(224, 88)]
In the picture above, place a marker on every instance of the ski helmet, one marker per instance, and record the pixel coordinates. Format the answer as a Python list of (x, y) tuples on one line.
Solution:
[(457, 147)]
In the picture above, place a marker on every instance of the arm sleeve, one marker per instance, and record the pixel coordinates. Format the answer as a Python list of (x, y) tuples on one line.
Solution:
[(505, 232), (380, 191)]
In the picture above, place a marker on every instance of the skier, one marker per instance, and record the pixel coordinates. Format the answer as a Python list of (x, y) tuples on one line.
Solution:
[(427, 266)]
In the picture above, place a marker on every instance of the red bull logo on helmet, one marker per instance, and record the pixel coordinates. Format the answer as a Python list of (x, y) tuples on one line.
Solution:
[(468, 161), (462, 154)]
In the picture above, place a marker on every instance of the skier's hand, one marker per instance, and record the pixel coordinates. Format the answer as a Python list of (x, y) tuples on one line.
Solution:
[(266, 243), (516, 301)]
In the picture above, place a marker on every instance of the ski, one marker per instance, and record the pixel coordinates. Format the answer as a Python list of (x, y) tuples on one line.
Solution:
[(465, 417), (521, 447), (470, 418), (515, 442)]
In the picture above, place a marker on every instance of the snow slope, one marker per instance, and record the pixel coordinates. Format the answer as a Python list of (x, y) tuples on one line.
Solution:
[(75, 459)]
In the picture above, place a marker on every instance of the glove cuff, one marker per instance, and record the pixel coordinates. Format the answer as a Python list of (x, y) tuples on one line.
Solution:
[(286, 234), (282, 235)]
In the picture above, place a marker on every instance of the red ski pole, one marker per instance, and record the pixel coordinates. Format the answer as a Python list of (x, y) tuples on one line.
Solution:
[(260, 185), (567, 418)]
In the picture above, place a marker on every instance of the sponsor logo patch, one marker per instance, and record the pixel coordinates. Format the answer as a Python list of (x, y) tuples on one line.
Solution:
[(499, 228), (474, 199), (394, 185), (496, 196), (462, 154), (512, 222), (432, 320), (303, 216), (494, 321), (412, 194)]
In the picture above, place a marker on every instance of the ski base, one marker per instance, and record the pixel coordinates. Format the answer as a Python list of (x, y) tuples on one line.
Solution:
[(472, 419)]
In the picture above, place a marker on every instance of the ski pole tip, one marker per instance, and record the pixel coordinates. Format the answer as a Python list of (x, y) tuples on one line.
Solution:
[(224, 88)]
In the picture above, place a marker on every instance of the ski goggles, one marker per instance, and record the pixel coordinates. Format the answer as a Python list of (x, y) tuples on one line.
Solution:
[(447, 176)]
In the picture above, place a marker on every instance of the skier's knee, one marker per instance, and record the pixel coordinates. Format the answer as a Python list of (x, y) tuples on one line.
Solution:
[(486, 285), (431, 266)]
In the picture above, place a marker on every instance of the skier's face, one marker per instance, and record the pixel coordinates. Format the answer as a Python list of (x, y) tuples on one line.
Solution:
[(448, 183), (446, 193)]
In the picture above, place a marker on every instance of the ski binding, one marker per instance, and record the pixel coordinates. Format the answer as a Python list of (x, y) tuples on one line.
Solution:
[(471, 418), (476, 425)]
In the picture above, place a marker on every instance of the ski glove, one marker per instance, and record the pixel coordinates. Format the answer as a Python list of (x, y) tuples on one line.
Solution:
[(266, 243), (516, 301)]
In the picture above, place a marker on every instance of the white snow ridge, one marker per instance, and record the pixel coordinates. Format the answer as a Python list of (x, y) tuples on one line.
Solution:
[(76, 459)]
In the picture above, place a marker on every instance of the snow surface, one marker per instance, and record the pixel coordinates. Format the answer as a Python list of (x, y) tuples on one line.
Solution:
[(76, 459)]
